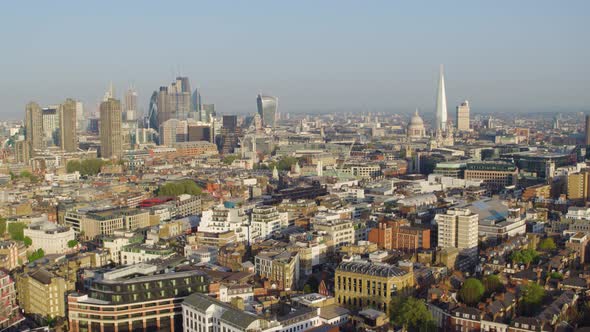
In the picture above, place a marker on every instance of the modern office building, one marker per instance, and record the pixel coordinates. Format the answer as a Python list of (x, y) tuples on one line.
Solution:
[(173, 131), (34, 127), (67, 126), (199, 131), (495, 174), (134, 298), (130, 105), (267, 108), (441, 104), (228, 140), (265, 221), (361, 284), (174, 101), (51, 126), (111, 144), (463, 116), (451, 169), (458, 228), (92, 223)]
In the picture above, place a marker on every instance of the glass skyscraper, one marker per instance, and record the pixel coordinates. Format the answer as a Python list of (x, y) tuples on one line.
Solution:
[(267, 108)]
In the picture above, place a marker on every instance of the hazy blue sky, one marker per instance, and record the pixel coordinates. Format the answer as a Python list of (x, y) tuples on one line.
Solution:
[(314, 55)]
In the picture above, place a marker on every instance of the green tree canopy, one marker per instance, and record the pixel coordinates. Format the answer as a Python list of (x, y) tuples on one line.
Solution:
[(72, 243), (178, 188), (547, 244), (526, 256), (492, 283), (28, 241), (471, 291), (411, 313), (16, 231), (85, 167), (229, 159), (532, 298), (35, 255)]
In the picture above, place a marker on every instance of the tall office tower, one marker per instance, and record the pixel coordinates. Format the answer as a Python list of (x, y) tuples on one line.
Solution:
[(34, 127), (267, 108), (174, 101), (197, 101), (110, 93), (587, 130), (458, 228), (441, 104), (131, 105), (152, 116), (111, 145), (173, 131), (50, 126), (199, 131), (207, 112), (463, 116), (81, 122), (229, 134), (67, 126)]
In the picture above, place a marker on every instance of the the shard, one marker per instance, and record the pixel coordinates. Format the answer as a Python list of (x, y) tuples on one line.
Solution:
[(441, 104)]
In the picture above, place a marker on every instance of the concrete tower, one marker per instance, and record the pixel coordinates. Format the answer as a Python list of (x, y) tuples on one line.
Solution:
[(111, 145), (441, 104), (67, 126)]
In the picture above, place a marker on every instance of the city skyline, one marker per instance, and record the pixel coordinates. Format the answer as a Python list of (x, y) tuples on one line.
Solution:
[(387, 61)]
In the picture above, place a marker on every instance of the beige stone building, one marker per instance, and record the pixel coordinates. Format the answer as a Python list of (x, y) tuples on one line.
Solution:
[(360, 284), (41, 293)]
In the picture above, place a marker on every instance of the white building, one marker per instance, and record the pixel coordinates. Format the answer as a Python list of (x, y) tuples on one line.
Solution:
[(458, 228), (265, 221), (221, 219), (53, 239), (203, 313)]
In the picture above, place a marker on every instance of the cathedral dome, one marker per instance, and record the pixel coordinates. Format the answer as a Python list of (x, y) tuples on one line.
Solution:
[(416, 126)]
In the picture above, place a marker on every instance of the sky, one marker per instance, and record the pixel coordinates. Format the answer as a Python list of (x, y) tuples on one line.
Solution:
[(353, 56)]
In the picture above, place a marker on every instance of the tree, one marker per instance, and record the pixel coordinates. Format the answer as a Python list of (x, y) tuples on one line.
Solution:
[(492, 284), (73, 166), (35, 255), (547, 244), (179, 188), (532, 298), (286, 162), (72, 243), (411, 313), (229, 159), (471, 291), (307, 289), (16, 231), (28, 241), (526, 256)]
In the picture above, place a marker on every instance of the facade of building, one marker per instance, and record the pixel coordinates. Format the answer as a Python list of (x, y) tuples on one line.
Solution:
[(67, 126), (267, 108), (174, 101), (458, 228), (34, 127), (94, 223), (111, 144), (9, 312), (41, 293), (578, 186), (495, 175), (441, 104), (463, 116), (265, 221), (48, 236), (394, 235), (145, 303), (363, 284), (280, 268)]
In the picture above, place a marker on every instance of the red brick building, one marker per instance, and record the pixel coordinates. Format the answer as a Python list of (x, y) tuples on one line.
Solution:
[(397, 235)]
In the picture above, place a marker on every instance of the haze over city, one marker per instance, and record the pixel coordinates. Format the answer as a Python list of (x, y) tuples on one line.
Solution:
[(348, 56), (295, 166)]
